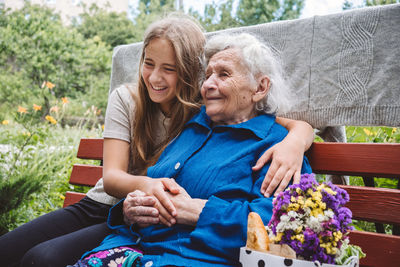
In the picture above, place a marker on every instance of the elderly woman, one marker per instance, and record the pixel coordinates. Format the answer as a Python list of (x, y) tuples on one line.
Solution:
[(210, 161)]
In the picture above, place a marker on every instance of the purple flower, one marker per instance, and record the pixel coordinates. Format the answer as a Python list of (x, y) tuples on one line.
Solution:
[(313, 242)]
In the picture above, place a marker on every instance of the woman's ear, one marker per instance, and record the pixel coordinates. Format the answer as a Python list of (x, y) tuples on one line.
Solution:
[(263, 84)]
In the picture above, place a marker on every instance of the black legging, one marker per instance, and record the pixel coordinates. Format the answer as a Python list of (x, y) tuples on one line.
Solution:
[(58, 238)]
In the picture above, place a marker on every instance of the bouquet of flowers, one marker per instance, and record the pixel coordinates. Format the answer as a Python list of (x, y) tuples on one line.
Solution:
[(311, 219)]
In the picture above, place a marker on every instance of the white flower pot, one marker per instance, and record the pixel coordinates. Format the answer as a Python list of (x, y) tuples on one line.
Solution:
[(252, 258)]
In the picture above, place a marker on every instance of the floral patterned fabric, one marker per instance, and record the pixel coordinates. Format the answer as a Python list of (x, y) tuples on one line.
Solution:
[(115, 257)]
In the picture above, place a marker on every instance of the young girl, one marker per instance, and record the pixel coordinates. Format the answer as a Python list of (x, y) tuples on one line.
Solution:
[(140, 122)]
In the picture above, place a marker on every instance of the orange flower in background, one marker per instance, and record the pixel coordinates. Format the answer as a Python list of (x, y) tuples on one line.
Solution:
[(54, 109), (22, 110), (5, 122), (65, 100), (37, 107), (50, 85), (51, 119)]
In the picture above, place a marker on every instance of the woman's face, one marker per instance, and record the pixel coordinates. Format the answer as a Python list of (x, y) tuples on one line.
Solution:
[(159, 72), (228, 89)]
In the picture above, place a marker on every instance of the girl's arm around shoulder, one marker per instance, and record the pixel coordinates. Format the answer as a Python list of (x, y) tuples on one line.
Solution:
[(286, 157)]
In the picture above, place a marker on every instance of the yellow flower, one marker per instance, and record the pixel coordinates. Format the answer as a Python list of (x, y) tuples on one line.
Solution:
[(62, 196), (366, 131), (337, 236), (22, 110), (394, 130), (5, 122), (300, 237), (316, 212), (51, 119), (26, 133), (327, 189), (37, 107), (50, 85), (278, 237), (65, 100), (293, 206), (102, 127), (54, 109)]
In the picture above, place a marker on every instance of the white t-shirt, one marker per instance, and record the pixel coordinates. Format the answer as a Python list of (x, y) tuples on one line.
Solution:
[(119, 114)]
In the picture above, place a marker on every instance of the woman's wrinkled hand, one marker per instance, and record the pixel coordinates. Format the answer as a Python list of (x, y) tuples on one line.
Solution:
[(140, 209), (287, 160), (188, 208)]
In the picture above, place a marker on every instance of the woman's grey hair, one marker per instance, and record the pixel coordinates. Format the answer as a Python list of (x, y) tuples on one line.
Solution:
[(260, 61)]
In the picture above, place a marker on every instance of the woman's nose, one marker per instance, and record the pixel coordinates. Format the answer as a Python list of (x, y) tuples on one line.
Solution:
[(209, 83)]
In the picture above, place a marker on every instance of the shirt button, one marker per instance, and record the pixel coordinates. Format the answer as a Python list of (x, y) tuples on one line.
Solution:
[(177, 165), (148, 264)]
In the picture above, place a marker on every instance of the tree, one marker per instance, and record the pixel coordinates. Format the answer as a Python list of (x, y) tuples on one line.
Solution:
[(248, 12), (150, 11), (111, 27), (348, 4), (380, 2)]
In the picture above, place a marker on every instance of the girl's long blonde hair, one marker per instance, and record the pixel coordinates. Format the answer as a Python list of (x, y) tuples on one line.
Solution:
[(188, 40)]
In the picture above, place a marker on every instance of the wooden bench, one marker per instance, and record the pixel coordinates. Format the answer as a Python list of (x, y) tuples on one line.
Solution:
[(371, 204)]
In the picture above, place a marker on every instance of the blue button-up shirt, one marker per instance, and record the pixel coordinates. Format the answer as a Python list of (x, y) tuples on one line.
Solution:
[(214, 163)]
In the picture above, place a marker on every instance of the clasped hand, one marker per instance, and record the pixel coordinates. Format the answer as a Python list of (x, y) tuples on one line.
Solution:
[(165, 202)]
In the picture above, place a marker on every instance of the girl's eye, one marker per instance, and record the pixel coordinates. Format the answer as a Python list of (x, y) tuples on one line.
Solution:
[(149, 64), (170, 69)]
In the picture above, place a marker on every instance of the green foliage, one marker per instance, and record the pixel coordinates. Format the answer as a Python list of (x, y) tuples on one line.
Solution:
[(111, 27), (217, 16), (13, 191), (35, 168), (149, 11), (348, 4), (249, 12), (35, 47), (380, 2), (372, 134)]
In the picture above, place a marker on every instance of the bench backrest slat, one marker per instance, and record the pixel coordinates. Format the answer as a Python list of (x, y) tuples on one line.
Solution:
[(374, 204), (91, 148), (72, 197), (358, 159), (382, 250), (87, 175)]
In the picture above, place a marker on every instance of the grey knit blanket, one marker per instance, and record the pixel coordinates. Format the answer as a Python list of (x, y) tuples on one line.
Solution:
[(344, 68)]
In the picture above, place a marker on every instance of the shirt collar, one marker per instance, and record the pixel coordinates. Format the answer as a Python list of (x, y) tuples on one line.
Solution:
[(259, 125)]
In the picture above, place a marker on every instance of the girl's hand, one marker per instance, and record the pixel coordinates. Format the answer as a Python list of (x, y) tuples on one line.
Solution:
[(287, 159), (158, 188)]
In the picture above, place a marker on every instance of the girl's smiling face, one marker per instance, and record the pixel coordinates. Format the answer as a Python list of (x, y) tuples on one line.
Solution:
[(159, 72)]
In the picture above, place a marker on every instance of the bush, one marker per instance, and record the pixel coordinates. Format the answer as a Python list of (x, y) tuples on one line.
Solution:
[(36, 157)]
